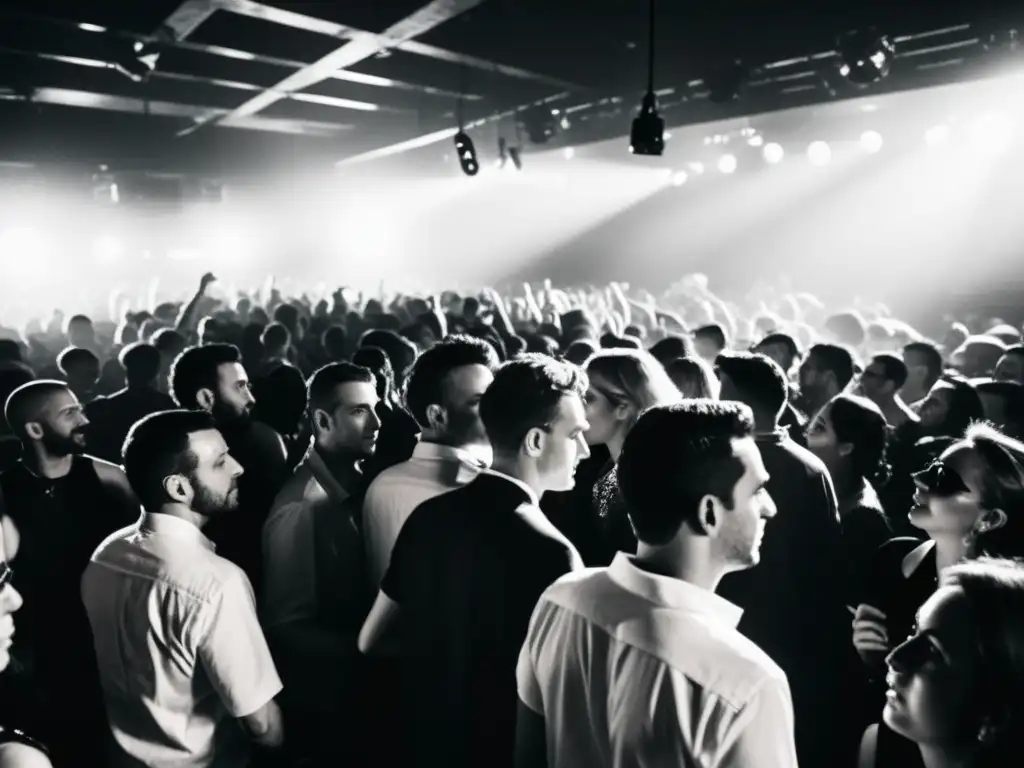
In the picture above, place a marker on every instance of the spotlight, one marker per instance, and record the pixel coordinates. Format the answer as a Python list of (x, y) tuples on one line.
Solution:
[(502, 152), (648, 134), (140, 63), (725, 82), (564, 123), (107, 249), (467, 154), (756, 140), (992, 133), (819, 153), (871, 141), (773, 153), (678, 179), (696, 168), (866, 56), (727, 163), (568, 153), (936, 135), (515, 157)]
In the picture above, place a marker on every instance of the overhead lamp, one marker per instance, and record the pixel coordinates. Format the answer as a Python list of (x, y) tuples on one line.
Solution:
[(647, 136), (727, 163), (466, 153), (866, 56), (515, 157), (819, 153), (871, 141), (138, 65), (725, 82), (678, 179), (568, 153), (502, 152), (773, 153)]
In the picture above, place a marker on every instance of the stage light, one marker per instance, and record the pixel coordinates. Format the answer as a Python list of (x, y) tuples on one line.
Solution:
[(756, 141), (516, 158), (539, 123), (647, 136), (564, 123), (819, 153), (866, 56), (568, 153), (725, 82), (696, 168), (992, 133), (936, 135), (467, 154), (138, 65), (678, 179), (871, 141), (773, 153), (727, 163)]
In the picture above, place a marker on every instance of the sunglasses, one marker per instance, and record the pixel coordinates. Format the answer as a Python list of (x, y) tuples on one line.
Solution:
[(939, 480), (6, 574)]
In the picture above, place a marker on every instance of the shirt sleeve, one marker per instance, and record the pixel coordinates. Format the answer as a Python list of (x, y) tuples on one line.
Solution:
[(526, 674), (762, 732), (402, 557), (234, 652), (289, 562)]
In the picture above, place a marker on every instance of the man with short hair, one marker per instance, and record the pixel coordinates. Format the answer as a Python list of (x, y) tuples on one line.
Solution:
[(802, 571), (443, 394), (710, 341), (1003, 402), (881, 382), (826, 371), (112, 416), (315, 593), (58, 506), (182, 658), (80, 368), (640, 663), (212, 378), (1010, 366), (469, 565), (924, 366), (276, 341)]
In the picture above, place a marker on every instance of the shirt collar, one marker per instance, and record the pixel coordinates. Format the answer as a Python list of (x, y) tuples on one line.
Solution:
[(532, 494), (324, 477), (437, 452), (672, 593), (174, 527)]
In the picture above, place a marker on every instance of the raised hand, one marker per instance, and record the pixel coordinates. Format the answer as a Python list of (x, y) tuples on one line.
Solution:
[(870, 634)]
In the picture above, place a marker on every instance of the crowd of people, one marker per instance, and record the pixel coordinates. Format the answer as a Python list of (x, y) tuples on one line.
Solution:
[(562, 527)]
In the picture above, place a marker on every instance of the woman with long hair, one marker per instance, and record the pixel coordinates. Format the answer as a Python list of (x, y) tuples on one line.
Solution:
[(623, 384), (694, 378), (970, 503), (849, 436), (956, 685)]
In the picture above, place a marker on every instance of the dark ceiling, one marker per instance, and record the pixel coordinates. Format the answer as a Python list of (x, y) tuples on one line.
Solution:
[(235, 80)]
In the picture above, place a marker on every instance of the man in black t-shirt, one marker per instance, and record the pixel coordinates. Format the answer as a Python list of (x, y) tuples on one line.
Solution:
[(469, 566)]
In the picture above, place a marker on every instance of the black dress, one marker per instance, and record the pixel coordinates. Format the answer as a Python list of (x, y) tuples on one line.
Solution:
[(895, 751), (896, 595), (865, 530)]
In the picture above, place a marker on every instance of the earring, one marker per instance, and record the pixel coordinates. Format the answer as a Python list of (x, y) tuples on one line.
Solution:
[(986, 734)]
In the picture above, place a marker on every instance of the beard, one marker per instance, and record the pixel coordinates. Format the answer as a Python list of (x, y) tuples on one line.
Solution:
[(230, 416), (209, 503), (57, 444)]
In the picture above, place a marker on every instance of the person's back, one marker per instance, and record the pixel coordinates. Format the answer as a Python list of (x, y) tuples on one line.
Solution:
[(112, 417), (467, 570)]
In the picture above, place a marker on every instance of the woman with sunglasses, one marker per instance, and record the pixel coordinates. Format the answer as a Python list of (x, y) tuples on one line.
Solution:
[(17, 750), (956, 685), (970, 502), (623, 383)]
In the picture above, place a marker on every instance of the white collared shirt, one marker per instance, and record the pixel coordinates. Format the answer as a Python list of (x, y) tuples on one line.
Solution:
[(433, 469), (180, 651), (634, 670)]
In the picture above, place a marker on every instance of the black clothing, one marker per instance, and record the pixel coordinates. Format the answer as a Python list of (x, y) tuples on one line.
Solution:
[(865, 529), (396, 440), (467, 571), (60, 523), (895, 751), (613, 522), (793, 600), (896, 595), (113, 416), (572, 511), (239, 534)]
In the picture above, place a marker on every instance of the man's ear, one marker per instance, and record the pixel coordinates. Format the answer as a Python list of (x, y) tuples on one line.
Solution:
[(845, 449), (34, 430), (436, 417), (709, 515), (321, 420), (178, 488), (205, 399), (533, 443)]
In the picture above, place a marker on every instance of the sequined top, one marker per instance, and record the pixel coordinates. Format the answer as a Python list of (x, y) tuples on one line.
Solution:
[(613, 522)]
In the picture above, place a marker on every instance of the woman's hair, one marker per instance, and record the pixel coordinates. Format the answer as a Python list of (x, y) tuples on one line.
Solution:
[(631, 376), (994, 590), (694, 378), (1002, 488), (859, 422)]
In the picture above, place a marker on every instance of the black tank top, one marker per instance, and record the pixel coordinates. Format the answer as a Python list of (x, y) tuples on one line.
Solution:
[(895, 751)]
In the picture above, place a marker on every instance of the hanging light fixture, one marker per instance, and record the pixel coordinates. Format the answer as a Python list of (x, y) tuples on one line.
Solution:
[(647, 136), (866, 56)]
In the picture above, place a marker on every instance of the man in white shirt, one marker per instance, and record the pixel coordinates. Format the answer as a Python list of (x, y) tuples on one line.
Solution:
[(182, 659), (640, 664), (443, 394), (315, 595)]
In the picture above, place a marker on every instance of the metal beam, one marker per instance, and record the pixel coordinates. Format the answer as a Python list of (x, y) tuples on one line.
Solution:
[(256, 10), (187, 18), (89, 100), (357, 49)]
